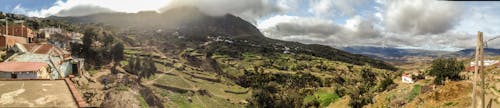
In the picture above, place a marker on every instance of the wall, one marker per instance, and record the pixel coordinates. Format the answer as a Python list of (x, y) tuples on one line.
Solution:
[(9, 41), (5, 75), (18, 30), (43, 73), (66, 69), (26, 75)]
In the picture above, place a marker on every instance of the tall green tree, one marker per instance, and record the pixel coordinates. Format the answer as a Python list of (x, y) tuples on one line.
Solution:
[(117, 52), (446, 68)]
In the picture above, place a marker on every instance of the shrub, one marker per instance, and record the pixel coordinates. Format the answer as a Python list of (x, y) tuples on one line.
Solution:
[(385, 83), (446, 68)]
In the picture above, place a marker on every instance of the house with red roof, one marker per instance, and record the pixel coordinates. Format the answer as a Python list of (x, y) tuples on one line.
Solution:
[(24, 70)]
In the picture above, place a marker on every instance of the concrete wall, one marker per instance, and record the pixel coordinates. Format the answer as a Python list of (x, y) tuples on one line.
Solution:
[(40, 74), (18, 30), (26, 75), (66, 69), (9, 41), (5, 75)]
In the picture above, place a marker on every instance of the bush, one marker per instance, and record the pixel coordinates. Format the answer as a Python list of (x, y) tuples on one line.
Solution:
[(385, 83), (446, 68)]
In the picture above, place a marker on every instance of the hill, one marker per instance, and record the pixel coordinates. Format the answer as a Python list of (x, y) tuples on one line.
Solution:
[(194, 28), (202, 60), (391, 52), (472, 52)]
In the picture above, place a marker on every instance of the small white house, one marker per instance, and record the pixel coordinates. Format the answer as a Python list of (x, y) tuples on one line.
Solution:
[(486, 63), (406, 78)]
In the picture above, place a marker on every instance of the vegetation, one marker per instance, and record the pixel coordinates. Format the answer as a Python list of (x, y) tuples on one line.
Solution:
[(414, 92), (144, 67), (320, 99), (275, 73), (446, 69), (96, 53)]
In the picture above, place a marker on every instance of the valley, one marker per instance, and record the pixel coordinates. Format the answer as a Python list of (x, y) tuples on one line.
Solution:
[(185, 58)]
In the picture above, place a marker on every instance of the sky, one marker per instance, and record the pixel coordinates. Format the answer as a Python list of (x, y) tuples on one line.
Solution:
[(409, 24)]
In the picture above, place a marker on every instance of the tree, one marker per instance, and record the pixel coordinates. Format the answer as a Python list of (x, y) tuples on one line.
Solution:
[(108, 39), (151, 67), (446, 68), (117, 52), (131, 65), (137, 65)]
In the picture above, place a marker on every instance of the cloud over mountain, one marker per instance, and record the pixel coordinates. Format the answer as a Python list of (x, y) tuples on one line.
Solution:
[(421, 16), (426, 24), (82, 10), (250, 10)]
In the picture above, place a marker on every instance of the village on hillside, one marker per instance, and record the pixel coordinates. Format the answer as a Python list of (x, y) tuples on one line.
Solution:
[(37, 68)]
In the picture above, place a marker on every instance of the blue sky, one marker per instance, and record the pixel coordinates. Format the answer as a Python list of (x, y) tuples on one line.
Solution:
[(8, 5), (418, 24)]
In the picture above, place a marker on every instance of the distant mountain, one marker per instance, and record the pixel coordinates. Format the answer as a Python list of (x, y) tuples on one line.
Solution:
[(391, 52), (471, 52)]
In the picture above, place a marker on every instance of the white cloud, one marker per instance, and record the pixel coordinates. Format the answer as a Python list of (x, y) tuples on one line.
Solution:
[(421, 16), (482, 18), (320, 31), (288, 5), (129, 6), (327, 8)]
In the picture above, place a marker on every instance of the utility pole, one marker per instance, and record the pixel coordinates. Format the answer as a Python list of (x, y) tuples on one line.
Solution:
[(476, 69), (482, 72)]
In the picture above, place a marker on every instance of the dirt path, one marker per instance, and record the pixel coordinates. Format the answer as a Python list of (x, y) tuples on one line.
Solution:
[(96, 77)]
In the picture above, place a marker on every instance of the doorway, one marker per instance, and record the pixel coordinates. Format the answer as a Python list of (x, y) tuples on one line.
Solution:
[(13, 75)]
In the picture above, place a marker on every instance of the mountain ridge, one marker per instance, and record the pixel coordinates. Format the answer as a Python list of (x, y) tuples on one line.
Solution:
[(195, 27)]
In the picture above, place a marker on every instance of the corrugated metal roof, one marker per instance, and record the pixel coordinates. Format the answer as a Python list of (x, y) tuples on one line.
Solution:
[(31, 57), (21, 66), (43, 49)]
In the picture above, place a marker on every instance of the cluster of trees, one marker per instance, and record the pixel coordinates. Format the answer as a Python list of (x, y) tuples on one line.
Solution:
[(99, 47), (271, 90), (144, 68), (444, 69)]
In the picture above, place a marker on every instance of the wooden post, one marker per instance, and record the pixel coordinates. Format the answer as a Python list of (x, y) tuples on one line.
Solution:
[(476, 70), (482, 72)]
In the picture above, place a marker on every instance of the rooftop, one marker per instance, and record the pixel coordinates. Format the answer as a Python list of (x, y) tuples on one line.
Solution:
[(21, 66), (31, 57), (42, 48), (36, 93)]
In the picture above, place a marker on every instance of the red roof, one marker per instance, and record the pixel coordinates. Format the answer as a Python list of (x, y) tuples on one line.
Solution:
[(21, 66), (43, 49)]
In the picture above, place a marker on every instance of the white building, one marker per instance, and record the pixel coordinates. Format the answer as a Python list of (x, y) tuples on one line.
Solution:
[(486, 62), (406, 78)]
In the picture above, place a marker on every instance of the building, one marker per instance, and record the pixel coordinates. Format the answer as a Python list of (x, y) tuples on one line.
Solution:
[(60, 62), (43, 35), (9, 41), (51, 30), (406, 78), (486, 64), (19, 30), (24, 70)]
